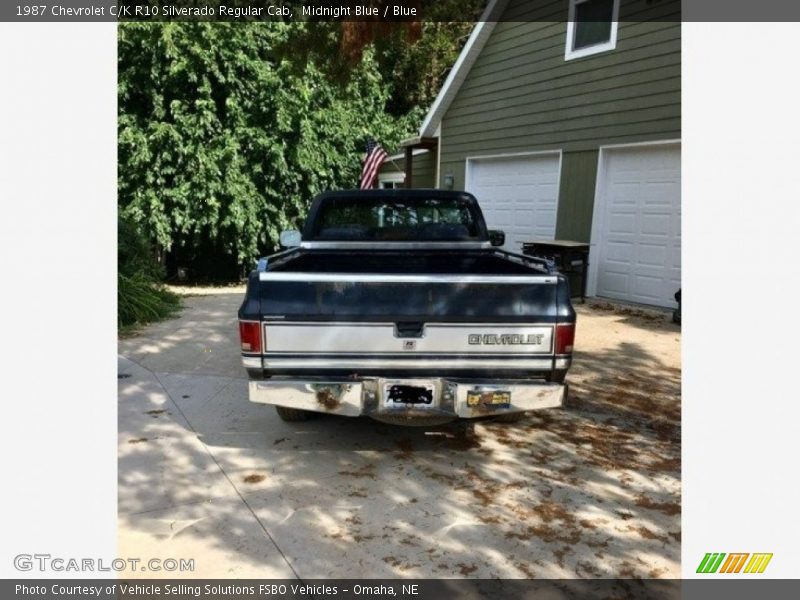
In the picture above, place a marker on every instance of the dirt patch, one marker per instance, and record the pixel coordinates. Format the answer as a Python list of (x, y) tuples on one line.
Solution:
[(445, 478), (489, 519), (668, 508), (650, 535), (629, 311), (254, 478), (551, 511), (367, 471), (546, 533), (525, 570), (466, 570), (560, 554), (666, 465)]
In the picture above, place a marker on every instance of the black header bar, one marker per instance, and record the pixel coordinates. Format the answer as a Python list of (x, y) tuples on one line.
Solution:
[(381, 10)]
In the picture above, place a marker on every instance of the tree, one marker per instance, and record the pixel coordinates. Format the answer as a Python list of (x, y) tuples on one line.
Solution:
[(227, 130)]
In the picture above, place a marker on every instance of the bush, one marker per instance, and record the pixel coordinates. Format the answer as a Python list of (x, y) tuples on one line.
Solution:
[(141, 300), (141, 297)]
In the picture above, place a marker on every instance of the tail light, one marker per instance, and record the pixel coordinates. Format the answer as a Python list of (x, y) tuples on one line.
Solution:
[(565, 338), (250, 336)]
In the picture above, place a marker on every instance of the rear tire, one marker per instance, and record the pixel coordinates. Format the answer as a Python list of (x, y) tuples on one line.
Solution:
[(292, 415)]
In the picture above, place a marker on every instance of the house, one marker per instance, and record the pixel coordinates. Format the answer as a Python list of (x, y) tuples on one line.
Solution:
[(568, 130), (392, 173)]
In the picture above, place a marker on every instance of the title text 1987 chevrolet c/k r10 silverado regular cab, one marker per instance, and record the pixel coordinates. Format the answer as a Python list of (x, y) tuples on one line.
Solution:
[(398, 305)]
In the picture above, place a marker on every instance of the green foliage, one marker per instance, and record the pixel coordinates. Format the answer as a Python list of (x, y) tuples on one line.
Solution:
[(141, 300), (134, 254), (228, 130), (222, 138), (140, 296), (418, 70)]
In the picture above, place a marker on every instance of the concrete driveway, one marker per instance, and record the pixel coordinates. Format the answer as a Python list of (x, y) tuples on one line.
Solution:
[(590, 491)]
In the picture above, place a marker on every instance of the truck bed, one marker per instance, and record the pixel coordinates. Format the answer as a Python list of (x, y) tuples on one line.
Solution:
[(419, 286), (422, 262)]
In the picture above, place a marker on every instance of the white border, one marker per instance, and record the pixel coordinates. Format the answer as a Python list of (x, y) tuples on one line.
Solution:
[(58, 251), (598, 214), (570, 54)]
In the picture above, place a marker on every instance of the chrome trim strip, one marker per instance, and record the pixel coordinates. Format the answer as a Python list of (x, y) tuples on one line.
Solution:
[(347, 245), (501, 363), (251, 362), (398, 278)]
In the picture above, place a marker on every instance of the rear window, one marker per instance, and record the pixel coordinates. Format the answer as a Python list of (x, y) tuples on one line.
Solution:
[(396, 219)]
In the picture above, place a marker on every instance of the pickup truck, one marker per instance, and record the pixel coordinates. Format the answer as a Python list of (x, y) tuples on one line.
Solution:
[(400, 305)]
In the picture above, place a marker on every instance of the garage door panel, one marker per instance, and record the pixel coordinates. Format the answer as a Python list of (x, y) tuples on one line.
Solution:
[(657, 225), (622, 223), (637, 240), (660, 194), (675, 259), (647, 287), (653, 255), (619, 252), (518, 195)]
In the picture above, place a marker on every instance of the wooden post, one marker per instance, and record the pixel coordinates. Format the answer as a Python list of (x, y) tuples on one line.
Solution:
[(409, 166)]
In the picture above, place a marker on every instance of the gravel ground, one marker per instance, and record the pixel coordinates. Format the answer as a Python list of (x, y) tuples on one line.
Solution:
[(592, 490)]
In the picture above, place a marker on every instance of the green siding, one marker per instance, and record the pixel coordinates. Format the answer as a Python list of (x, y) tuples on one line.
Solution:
[(522, 96), (424, 172), (576, 195)]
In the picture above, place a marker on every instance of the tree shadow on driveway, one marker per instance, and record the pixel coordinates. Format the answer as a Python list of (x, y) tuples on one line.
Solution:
[(592, 490)]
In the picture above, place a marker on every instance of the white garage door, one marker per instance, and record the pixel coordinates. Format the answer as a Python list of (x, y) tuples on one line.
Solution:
[(636, 231), (518, 195)]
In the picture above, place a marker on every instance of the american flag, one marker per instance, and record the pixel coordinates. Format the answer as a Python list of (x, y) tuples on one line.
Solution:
[(372, 162)]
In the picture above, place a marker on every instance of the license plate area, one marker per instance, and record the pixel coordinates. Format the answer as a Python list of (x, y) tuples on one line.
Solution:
[(402, 394), (489, 398)]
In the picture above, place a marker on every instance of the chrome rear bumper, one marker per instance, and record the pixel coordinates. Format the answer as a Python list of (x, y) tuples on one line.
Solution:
[(448, 397)]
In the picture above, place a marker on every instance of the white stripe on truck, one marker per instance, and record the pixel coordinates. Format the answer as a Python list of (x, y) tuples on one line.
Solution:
[(435, 338)]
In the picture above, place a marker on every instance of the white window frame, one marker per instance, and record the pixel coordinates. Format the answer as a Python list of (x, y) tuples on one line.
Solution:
[(391, 178), (570, 54)]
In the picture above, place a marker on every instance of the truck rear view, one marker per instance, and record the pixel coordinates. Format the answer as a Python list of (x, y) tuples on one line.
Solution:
[(398, 305)]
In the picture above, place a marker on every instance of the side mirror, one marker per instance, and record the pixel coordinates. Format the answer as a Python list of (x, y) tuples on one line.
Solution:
[(290, 239), (497, 238)]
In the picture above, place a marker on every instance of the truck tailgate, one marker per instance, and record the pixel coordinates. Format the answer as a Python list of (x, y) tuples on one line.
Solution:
[(396, 298)]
